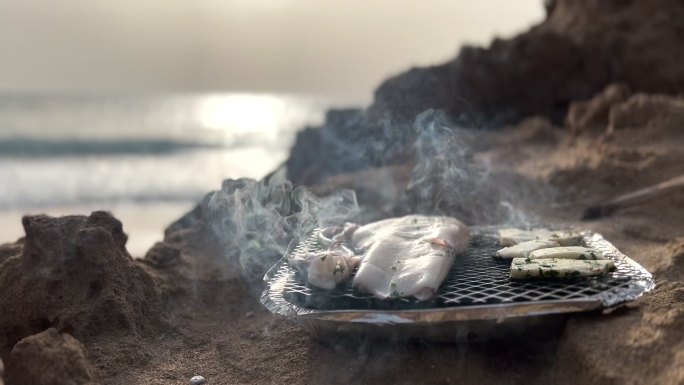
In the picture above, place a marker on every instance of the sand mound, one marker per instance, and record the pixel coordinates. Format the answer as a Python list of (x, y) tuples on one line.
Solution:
[(74, 274), (49, 358)]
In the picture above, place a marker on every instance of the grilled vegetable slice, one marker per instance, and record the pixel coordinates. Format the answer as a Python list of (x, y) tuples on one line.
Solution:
[(513, 236), (567, 238), (567, 252), (525, 268), (523, 249)]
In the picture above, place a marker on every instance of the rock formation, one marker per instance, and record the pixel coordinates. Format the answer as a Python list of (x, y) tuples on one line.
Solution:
[(579, 49), (74, 274), (49, 358)]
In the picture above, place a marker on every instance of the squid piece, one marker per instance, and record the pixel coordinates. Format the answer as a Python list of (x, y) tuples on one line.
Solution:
[(408, 256), (326, 269)]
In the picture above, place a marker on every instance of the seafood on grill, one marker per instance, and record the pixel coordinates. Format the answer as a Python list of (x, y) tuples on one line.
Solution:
[(526, 268), (408, 256), (400, 257), (327, 268)]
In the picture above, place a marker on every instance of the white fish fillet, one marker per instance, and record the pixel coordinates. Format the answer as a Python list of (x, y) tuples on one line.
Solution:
[(567, 252), (524, 268), (326, 269), (408, 256), (523, 249)]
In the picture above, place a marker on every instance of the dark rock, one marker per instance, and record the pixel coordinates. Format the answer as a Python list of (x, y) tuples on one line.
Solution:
[(163, 254), (11, 249), (49, 358), (348, 141), (581, 47), (76, 275), (638, 42), (190, 258), (537, 73), (196, 217)]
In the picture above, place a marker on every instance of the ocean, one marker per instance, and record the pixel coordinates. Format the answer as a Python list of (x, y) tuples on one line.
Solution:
[(147, 159)]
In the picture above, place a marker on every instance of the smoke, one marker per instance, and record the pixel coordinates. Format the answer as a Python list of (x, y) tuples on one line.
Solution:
[(257, 221), (447, 181)]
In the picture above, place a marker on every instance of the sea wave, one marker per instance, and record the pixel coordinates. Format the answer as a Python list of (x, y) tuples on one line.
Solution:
[(68, 150), (31, 147)]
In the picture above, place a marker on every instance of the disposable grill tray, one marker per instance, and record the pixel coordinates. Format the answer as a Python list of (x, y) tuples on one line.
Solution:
[(477, 287)]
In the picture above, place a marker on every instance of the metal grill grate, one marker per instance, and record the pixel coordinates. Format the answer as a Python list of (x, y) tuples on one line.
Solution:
[(476, 279)]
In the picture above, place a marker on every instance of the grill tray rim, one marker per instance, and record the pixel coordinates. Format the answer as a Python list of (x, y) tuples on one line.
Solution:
[(640, 282)]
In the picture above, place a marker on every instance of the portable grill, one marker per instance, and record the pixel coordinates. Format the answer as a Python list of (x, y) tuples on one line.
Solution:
[(477, 290)]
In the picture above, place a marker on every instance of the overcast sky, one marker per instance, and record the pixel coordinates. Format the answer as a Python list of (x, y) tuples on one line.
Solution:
[(337, 48)]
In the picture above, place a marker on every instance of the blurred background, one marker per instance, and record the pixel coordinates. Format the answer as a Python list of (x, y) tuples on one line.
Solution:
[(141, 107)]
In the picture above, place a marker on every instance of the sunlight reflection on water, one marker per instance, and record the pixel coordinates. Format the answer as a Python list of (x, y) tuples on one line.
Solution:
[(77, 149)]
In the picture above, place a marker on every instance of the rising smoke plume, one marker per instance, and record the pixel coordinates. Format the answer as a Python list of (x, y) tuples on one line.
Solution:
[(258, 221)]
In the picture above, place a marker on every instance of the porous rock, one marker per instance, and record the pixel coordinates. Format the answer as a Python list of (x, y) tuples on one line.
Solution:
[(75, 274), (11, 249), (49, 358)]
